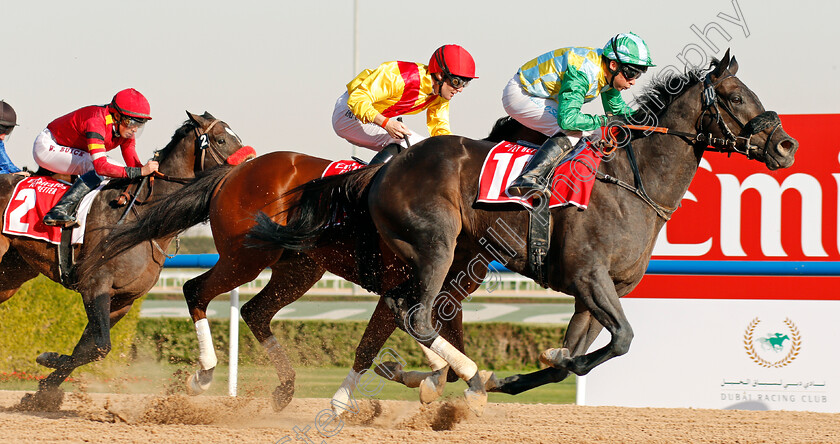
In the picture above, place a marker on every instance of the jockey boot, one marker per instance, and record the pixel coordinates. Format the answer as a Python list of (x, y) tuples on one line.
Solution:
[(63, 214), (535, 175), (387, 153)]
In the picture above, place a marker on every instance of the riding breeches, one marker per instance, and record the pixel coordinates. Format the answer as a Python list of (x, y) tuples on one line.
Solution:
[(58, 158), (537, 113), (366, 135)]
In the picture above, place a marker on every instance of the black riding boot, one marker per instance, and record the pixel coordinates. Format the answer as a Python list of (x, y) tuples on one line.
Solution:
[(63, 214), (534, 176), (386, 154)]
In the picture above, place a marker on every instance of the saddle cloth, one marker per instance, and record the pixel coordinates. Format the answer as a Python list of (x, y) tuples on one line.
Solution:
[(341, 167), (32, 198), (571, 183)]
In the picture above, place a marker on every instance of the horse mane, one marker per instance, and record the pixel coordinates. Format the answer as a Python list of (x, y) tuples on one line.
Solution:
[(179, 135), (666, 88)]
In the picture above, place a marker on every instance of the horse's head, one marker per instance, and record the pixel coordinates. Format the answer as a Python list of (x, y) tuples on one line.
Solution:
[(214, 141), (735, 113)]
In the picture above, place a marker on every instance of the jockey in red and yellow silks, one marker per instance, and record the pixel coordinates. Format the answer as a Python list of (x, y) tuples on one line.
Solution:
[(91, 129), (363, 114), (76, 144)]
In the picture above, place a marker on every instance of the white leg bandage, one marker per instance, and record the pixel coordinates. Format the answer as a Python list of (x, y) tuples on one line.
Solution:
[(206, 352), (463, 366), (341, 399), (435, 361)]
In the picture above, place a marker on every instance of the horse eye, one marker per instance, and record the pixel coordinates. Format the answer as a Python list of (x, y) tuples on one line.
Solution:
[(220, 141), (735, 99)]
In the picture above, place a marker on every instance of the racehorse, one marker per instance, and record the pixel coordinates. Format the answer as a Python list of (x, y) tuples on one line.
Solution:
[(229, 197), (108, 292), (423, 206)]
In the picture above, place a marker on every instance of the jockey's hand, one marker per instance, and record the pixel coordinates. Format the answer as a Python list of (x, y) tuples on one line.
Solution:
[(396, 129), (149, 168)]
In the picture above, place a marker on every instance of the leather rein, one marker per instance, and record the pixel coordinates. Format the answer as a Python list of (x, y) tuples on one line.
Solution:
[(730, 143)]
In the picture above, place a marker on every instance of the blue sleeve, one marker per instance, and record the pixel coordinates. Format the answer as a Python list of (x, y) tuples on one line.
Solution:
[(6, 165)]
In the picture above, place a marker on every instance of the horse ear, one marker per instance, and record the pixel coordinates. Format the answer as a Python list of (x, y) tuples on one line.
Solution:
[(733, 66), (199, 120), (722, 66), (208, 116)]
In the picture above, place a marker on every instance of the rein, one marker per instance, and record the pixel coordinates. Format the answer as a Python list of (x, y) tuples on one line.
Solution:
[(729, 144)]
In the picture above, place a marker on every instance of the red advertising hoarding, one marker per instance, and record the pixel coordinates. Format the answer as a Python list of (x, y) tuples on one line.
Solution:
[(738, 210)]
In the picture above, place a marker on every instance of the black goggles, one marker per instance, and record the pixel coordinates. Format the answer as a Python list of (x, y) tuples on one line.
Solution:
[(458, 82), (6, 129), (632, 72)]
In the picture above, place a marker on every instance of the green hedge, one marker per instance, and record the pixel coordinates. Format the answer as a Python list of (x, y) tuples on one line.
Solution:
[(495, 346), (44, 316)]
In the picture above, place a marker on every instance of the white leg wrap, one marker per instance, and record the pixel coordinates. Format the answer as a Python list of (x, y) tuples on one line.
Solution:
[(463, 366), (277, 357), (206, 352), (435, 361), (342, 396)]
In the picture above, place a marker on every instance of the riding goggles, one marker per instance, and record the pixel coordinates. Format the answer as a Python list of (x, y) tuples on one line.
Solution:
[(632, 72), (457, 82), (131, 122)]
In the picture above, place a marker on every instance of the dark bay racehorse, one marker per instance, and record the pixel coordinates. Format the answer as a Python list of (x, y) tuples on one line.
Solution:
[(423, 205), (230, 197), (109, 291)]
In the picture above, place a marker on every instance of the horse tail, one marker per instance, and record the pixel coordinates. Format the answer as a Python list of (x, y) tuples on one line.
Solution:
[(164, 218), (316, 204)]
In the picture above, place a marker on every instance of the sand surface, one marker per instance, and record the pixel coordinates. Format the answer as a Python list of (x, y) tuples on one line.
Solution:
[(126, 418)]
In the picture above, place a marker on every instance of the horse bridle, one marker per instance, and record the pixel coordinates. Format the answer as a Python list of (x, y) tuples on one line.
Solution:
[(730, 143), (203, 145)]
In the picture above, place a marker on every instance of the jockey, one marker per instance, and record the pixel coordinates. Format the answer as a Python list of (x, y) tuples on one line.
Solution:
[(546, 95), (77, 142), (8, 122), (364, 114)]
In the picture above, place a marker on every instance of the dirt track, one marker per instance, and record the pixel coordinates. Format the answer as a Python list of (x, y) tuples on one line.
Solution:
[(146, 419)]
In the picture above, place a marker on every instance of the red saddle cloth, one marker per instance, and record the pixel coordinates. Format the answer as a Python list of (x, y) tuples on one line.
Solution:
[(32, 199), (341, 167), (571, 183)]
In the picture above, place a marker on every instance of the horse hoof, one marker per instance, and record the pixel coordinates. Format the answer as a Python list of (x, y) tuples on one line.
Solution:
[(48, 400), (282, 395), (554, 357), (199, 382), (432, 386), (475, 401), (52, 359), (391, 371)]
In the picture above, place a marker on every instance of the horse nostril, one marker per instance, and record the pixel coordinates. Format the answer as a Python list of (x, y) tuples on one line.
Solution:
[(787, 146)]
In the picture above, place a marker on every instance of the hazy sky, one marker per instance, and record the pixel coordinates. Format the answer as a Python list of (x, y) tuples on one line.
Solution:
[(273, 69)]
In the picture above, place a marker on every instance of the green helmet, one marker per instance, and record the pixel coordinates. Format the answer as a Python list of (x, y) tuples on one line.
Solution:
[(628, 48)]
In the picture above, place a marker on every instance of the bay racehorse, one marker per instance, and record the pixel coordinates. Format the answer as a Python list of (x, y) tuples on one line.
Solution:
[(108, 291), (423, 206), (229, 197)]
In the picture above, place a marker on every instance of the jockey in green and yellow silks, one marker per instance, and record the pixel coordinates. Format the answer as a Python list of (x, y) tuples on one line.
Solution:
[(547, 93)]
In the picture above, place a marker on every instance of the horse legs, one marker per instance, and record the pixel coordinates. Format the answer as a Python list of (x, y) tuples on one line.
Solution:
[(229, 272), (597, 293), (580, 334), (49, 396), (290, 278)]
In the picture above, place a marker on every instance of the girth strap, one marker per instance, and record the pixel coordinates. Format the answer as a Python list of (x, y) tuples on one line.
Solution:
[(539, 241)]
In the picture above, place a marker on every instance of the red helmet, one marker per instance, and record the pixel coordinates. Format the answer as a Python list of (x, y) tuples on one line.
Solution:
[(452, 60), (130, 103)]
